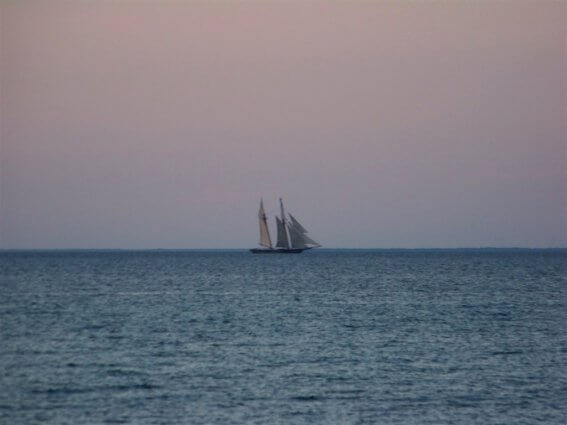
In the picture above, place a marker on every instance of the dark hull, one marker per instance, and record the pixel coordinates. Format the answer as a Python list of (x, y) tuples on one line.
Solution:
[(277, 251)]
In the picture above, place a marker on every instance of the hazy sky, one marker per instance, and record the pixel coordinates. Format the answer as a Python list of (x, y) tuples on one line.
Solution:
[(139, 124)]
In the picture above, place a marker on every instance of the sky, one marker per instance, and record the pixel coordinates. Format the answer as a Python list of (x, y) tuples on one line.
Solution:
[(412, 124)]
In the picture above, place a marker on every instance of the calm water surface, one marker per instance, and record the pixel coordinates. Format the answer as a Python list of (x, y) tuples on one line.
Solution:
[(359, 337)]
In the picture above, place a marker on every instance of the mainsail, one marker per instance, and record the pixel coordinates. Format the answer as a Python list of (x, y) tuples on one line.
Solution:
[(265, 239)]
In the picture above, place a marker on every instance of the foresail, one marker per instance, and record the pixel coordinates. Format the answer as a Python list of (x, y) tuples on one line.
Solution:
[(297, 225), (282, 235), (307, 240), (299, 238)]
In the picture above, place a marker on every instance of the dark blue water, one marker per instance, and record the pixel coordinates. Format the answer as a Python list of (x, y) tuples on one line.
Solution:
[(383, 337)]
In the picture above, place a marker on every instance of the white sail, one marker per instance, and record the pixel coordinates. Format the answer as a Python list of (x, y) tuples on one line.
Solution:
[(283, 241), (265, 239)]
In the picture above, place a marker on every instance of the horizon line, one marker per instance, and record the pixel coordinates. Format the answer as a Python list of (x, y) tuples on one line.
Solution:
[(523, 248)]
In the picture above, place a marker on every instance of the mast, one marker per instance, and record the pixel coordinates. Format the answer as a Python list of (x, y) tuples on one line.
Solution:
[(284, 223), (283, 238), (265, 239)]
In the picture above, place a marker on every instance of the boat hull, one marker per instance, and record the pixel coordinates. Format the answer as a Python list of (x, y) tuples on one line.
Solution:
[(277, 251)]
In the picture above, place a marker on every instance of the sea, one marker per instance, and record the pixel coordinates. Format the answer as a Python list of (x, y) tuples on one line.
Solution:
[(325, 337)]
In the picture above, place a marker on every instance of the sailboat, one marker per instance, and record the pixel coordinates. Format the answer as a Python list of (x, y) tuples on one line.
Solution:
[(292, 236)]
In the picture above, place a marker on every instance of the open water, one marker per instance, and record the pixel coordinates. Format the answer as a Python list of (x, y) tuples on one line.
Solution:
[(328, 337)]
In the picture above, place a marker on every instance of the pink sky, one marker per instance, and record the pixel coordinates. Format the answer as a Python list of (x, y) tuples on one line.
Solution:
[(131, 124)]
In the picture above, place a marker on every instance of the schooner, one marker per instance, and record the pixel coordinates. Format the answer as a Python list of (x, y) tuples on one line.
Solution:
[(292, 236)]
